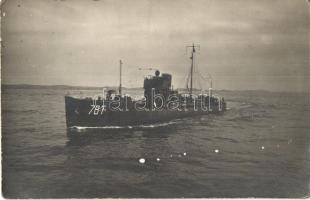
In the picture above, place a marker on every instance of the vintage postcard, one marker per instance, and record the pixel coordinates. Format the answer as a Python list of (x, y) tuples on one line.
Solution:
[(155, 99)]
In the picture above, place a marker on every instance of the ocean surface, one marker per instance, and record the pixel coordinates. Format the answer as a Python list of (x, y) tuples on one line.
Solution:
[(259, 148)]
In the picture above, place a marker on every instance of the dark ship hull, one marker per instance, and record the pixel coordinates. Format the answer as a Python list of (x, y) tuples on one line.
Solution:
[(78, 115)]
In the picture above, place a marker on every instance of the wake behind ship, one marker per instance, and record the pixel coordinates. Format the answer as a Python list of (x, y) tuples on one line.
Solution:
[(160, 104)]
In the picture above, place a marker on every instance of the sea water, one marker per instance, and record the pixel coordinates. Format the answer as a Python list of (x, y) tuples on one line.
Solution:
[(260, 147)]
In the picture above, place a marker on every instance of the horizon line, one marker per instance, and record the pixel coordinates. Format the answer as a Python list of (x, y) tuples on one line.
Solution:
[(79, 86)]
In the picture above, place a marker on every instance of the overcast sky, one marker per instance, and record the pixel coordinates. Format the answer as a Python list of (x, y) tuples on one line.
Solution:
[(244, 44)]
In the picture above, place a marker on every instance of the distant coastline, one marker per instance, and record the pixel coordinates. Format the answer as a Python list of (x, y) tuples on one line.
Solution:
[(71, 87), (58, 87)]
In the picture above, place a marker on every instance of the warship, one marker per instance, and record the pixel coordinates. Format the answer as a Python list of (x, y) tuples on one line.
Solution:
[(160, 103)]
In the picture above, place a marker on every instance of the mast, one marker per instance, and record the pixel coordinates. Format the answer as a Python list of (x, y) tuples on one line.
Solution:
[(192, 68), (211, 87), (194, 47), (120, 78)]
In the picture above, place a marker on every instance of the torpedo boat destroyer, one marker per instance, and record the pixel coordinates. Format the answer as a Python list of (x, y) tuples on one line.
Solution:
[(160, 103)]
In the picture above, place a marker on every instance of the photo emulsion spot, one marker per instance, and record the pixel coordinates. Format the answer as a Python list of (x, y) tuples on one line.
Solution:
[(155, 99)]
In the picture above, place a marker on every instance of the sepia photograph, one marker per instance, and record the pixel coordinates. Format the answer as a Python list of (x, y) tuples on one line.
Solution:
[(155, 99)]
